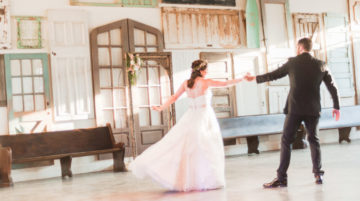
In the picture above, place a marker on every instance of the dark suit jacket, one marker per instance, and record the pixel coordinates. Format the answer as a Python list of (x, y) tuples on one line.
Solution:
[(306, 74)]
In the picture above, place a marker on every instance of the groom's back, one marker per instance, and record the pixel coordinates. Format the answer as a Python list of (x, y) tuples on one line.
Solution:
[(306, 74)]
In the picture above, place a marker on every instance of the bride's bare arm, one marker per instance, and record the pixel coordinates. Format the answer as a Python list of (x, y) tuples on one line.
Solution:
[(172, 98), (216, 83)]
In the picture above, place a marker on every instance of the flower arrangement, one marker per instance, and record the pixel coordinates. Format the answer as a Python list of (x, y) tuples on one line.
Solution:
[(133, 65)]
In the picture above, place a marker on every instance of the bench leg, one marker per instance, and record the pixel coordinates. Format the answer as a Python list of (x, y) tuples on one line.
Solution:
[(5, 167), (119, 165), (66, 166), (300, 142), (253, 144), (344, 134)]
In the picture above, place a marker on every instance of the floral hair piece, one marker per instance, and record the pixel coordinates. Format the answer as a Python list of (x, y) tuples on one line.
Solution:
[(198, 67)]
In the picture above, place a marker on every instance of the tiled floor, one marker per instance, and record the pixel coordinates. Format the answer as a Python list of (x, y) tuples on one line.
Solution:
[(244, 174)]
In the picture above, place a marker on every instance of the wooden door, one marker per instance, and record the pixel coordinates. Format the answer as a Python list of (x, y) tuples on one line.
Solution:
[(250, 96), (28, 92), (116, 100), (354, 12), (112, 94), (279, 45), (310, 25), (220, 67), (70, 65), (339, 55), (152, 89)]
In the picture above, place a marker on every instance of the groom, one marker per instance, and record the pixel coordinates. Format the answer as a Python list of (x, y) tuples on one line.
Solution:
[(303, 104)]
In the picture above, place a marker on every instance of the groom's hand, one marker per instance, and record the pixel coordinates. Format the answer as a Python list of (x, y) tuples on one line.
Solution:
[(336, 113), (250, 77)]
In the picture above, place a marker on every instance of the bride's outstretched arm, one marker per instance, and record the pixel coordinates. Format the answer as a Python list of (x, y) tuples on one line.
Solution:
[(216, 83), (172, 98)]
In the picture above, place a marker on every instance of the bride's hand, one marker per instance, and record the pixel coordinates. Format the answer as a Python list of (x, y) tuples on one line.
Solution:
[(249, 77), (157, 108)]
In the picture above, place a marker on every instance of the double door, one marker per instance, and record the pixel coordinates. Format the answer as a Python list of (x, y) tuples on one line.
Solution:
[(128, 107)]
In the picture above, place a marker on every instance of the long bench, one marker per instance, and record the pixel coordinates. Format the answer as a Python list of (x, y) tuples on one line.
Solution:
[(63, 145), (258, 125)]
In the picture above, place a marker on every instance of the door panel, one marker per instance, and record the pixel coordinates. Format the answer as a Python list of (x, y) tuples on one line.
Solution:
[(250, 97), (354, 12), (152, 89), (220, 67), (339, 55), (278, 35), (277, 99), (310, 25), (70, 62), (28, 92), (112, 94)]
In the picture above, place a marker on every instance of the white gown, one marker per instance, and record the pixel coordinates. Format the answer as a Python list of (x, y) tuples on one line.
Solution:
[(191, 155)]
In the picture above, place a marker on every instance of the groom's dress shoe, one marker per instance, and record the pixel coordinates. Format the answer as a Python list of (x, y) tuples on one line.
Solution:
[(276, 183), (318, 179)]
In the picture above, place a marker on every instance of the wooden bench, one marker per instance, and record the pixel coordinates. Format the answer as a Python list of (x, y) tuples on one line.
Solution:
[(63, 145), (253, 126)]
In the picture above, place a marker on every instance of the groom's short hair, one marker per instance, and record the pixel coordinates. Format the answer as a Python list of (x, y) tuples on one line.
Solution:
[(306, 43)]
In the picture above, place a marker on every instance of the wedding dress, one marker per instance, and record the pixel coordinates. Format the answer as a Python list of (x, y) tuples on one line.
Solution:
[(191, 155)]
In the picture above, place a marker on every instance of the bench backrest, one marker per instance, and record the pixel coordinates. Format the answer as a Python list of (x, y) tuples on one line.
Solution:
[(58, 142), (251, 125), (349, 117), (273, 123)]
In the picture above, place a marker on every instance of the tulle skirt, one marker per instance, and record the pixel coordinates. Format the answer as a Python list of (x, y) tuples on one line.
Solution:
[(189, 157)]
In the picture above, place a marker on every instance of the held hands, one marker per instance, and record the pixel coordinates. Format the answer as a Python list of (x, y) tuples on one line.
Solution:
[(336, 113), (249, 77)]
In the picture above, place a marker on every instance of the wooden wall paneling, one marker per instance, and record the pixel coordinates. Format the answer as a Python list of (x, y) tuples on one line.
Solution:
[(202, 28)]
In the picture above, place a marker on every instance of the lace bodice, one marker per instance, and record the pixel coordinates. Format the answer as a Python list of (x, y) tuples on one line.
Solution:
[(197, 98)]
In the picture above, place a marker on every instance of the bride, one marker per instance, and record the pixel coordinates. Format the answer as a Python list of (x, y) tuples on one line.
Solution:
[(191, 155)]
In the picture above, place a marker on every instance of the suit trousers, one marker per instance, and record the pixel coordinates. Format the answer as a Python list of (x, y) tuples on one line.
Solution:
[(291, 124)]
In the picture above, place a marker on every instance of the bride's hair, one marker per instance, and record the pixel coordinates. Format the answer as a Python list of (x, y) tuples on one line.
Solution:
[(196, 66)]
